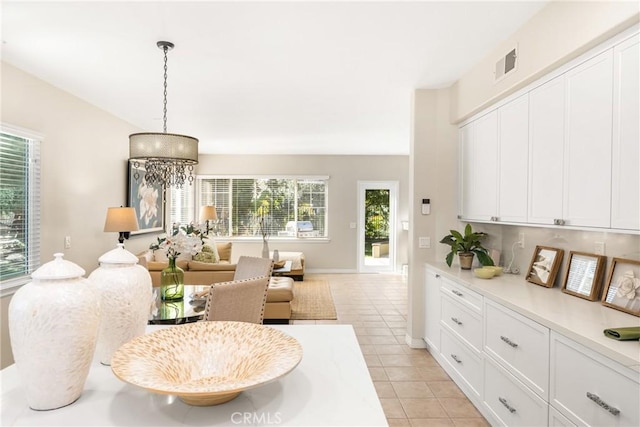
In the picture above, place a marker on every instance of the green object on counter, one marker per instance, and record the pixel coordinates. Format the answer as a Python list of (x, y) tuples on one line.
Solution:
[(623, 334)]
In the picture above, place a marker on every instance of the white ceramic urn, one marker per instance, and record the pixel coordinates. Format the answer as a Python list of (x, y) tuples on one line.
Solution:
[(53, 327), (125, 297)]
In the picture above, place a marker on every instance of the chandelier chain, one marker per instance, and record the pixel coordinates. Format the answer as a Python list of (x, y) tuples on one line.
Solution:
[(164, 111)]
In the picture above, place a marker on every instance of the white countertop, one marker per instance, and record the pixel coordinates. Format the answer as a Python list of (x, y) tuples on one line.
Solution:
[(330, 387), (576, 318)]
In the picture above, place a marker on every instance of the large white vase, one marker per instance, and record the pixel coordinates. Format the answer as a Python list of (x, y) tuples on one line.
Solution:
[(53, 327), (125, 297)]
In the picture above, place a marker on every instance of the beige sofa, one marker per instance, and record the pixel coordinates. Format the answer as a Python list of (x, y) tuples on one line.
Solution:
[(280, 291)]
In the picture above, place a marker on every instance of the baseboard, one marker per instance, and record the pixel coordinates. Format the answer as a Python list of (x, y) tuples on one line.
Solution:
[(329, 271), (414, 343)]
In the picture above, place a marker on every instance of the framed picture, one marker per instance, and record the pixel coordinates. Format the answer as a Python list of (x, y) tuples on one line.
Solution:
[(585, 274), (544, 266), (148, 201), (623, 286)]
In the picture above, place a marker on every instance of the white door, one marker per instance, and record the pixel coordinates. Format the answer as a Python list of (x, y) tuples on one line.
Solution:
[(377, 201)]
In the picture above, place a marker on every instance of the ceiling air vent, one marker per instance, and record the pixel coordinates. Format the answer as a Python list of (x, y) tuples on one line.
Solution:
[(505, 65)]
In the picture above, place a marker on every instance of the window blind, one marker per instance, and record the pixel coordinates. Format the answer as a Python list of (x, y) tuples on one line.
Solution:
[(244, 205), (19, 208)]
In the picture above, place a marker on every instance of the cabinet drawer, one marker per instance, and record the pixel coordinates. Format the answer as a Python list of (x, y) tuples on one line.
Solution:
[(466, 364), (556, 419), (591, 389), (463, 322), (509, 401), (471, 299), (520, 345)]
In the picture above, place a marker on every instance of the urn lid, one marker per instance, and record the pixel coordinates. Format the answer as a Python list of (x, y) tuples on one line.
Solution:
[(118, 255), (58, 269)]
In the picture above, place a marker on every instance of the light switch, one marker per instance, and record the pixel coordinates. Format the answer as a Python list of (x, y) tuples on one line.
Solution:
[(424, 242), (352, 225)]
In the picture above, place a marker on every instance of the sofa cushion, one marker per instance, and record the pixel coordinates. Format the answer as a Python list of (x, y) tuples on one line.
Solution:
[(224, 251), (156, 265), (207, 266)]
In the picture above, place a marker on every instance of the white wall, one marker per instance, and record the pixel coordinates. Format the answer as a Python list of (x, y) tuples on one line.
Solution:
[(561, 31), (433, 172)]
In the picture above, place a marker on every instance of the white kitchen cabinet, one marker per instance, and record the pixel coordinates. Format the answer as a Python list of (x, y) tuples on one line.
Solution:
[(509, 401), (587, 153), (590, 389), (513, 140), (462, 322), (432, 309), (556, 419), (625, 196), (546, 152), (567, 148), (527, 371), (519, 344), (570, 125), (464, 365), (479, 168)]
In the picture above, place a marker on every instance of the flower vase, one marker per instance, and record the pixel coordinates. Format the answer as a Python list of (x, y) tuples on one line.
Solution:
[(126, 290), (265, 249), (172, 282), (53, 327)]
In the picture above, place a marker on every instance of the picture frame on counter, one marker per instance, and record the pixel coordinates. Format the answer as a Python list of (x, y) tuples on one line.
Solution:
[(544, 266), (623, 286), (585, 275)]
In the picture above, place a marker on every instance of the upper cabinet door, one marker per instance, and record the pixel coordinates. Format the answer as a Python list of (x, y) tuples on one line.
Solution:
[(479, 164), (587, 172), (546, 151), (513, 141), (625, 205)]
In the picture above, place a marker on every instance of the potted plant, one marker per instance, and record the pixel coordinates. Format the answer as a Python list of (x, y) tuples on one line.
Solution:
[(465, 246)]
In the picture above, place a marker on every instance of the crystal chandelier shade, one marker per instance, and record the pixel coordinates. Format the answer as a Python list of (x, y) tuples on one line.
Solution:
[(167, 158)]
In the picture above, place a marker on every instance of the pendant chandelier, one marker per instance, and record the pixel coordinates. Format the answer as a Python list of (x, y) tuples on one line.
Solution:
[(167, 158)]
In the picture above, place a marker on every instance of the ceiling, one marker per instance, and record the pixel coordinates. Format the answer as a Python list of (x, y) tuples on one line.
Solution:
[(260, 77)]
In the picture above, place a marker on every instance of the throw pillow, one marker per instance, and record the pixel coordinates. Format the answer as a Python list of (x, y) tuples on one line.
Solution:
[(208, 254)]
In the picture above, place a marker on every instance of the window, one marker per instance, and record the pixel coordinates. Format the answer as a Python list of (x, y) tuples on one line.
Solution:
[(291, 207), (19, 207)]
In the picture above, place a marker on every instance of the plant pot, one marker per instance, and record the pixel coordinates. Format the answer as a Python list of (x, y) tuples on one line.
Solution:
[(466, 259)]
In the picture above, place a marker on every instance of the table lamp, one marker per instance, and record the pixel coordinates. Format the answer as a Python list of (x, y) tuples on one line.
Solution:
[(121, 220), (208, 213)]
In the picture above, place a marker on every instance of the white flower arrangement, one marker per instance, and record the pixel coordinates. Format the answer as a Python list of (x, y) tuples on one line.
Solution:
[(187, 239)]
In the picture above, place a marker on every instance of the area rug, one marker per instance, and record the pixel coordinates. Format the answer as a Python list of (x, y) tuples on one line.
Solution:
[(312, 300)]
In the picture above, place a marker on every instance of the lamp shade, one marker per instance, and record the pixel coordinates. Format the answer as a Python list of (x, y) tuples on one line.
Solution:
[(163, 146), (121, 219), (208, 213)]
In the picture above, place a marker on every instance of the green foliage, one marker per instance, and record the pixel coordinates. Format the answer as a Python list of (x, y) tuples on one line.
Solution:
[(376, 214), (469, 242)]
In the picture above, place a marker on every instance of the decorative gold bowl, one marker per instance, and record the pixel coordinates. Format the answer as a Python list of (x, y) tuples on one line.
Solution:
[(207, 363)]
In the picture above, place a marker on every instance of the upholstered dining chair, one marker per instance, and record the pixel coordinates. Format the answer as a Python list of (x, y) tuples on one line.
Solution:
[(248, 267), (237, 300)]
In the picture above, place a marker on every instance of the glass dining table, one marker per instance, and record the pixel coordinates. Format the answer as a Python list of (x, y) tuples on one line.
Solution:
[(188, 309)]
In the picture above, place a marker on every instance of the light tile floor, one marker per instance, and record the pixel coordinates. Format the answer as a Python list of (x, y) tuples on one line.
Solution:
[(413, 389)]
